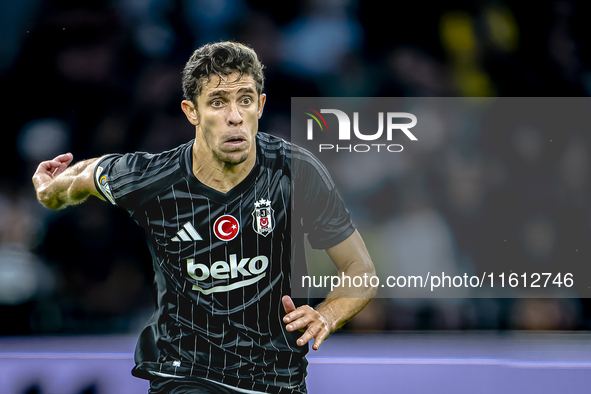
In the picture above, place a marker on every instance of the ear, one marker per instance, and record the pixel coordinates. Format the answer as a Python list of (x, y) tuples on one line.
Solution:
[(191, 112), (262, 100)]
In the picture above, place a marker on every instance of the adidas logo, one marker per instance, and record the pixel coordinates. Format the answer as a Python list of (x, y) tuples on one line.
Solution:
[(187, 234)]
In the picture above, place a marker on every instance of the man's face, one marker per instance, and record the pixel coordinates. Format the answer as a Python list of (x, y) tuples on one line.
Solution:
[(227, 117)]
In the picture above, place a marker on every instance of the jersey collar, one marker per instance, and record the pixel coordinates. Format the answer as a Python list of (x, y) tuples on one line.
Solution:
[(199, 188)]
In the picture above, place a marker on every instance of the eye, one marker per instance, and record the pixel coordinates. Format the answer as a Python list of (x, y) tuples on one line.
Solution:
[(216, 103), (247, 100)]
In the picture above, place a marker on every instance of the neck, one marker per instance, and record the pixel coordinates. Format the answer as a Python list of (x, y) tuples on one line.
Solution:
[(218, 175)]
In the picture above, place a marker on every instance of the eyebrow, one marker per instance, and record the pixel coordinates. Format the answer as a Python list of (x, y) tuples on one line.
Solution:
[(222, 92)]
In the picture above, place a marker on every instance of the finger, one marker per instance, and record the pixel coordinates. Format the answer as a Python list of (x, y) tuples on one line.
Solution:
[(300, 323), (51, 165), (57, 170), (319, 339), (45, 169), (310, 333), (288, 304), (65, 158), (297, 314), (61, 162)]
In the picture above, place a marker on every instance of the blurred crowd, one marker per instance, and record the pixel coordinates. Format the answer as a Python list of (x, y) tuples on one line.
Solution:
[(104, 77)]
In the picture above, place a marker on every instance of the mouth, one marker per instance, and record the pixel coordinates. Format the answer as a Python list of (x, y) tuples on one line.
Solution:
[(234, 142)]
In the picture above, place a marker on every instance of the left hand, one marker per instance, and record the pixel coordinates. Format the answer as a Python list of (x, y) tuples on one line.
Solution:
[(316, 325), (48, 170)]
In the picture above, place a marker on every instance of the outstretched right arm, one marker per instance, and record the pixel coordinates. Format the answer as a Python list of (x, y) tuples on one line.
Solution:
[(58, 186)]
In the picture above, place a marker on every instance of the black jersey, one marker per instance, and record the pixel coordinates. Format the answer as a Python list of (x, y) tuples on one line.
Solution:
[(222, 262)]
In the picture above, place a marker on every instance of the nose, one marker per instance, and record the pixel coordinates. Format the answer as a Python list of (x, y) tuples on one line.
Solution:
[(234, 117)]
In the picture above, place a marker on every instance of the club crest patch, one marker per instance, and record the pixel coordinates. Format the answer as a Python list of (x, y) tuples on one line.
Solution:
[(263, 220)]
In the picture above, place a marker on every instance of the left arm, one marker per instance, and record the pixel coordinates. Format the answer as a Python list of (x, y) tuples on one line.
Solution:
[(351, 259)]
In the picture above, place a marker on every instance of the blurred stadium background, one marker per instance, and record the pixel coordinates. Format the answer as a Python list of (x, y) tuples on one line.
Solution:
[(104, 76)]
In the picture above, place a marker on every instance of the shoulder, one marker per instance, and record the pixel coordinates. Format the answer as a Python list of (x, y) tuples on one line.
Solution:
[(141, 163), (140, 172), (303, 164), (273, 147)]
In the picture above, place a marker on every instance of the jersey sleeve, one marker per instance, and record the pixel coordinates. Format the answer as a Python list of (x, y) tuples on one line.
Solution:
[(323, 214), (116, 177)]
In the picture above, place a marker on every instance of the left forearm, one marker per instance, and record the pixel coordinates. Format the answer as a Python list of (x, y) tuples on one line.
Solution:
[(338, 311), (347, 300)]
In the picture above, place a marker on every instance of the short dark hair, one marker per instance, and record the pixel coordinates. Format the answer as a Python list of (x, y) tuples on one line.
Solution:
[(221, 59)]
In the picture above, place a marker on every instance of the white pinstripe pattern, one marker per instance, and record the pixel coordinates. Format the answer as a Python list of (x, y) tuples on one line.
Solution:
[(164, 231), (179, 326), (273, 288), (209, 366), (178, 304), (283, 328), (243, 296), (163, 227), (151, 230), (286, 212), (195, 336), (209, 254), (223, 347)]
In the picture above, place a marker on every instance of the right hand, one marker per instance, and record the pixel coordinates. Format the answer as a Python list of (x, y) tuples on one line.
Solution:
[(48, 170), (307, 319)]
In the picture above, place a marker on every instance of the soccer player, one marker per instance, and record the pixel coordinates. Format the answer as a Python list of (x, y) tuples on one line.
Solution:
[(225, 215)]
